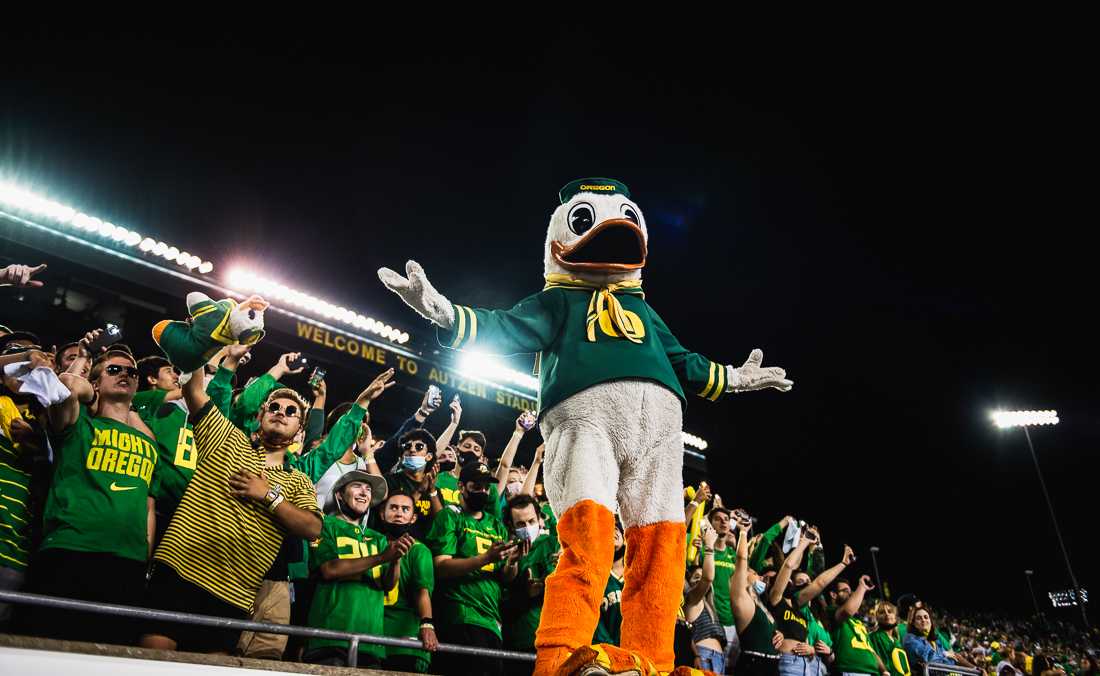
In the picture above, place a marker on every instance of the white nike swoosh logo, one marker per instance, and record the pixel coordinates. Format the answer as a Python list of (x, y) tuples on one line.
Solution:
[(116, 487)]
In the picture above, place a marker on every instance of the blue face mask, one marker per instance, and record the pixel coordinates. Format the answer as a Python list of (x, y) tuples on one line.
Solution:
[(528, 533), (414, 463), (759, 587)]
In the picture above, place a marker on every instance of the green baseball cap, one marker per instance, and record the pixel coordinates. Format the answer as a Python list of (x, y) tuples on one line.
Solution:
[(599, 186)]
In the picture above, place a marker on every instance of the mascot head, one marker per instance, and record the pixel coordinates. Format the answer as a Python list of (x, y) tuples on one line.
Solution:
[(597, 233)]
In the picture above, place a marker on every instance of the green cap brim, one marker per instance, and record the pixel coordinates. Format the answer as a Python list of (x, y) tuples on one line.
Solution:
[(598, 186)]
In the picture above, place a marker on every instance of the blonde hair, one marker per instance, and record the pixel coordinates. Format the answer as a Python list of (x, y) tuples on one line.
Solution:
[(286, 393)]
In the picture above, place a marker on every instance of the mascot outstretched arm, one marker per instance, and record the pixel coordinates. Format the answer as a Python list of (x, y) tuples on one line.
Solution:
[(613, 385)]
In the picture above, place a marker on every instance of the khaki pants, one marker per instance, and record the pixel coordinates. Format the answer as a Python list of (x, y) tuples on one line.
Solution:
[(272, 605)]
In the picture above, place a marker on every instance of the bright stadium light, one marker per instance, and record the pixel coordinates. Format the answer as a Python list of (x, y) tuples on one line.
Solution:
[(1007, 419), (481, 366), (1023, 420), (31, 204), (694, 441), (280, 294)]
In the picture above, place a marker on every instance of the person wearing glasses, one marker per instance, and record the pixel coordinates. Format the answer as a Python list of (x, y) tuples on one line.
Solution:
[(415, 475), (98, 518), (241, 504)]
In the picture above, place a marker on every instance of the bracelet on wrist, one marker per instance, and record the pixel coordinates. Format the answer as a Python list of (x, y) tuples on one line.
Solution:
[(275, 503), (425, 620)]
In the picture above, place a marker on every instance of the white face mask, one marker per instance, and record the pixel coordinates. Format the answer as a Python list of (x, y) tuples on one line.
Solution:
[(513, 487), (528, 533)]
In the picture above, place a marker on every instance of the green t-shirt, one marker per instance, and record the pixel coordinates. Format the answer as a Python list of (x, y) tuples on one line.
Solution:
[(608, 630), (175, 443), (814, 630), (402, 617), (473, 598), (554, 322), (853, 649), (525, 611), (449, 494), (891, 652), (549, 518), (348, 605), (15, 483), (98, 499), (723, 571)]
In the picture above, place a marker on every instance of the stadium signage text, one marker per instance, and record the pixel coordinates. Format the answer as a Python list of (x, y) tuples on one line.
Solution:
[(431, 372)]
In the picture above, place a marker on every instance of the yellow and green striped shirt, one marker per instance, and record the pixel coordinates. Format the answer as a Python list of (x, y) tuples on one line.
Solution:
[(216, 541)]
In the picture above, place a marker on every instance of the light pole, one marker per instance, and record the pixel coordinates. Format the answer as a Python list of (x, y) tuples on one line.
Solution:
[(878, 580), (1025, 419), (1028, 574)]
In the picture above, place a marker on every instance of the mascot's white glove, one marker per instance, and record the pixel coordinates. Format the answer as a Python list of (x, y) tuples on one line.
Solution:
[(419, 294), (751, 376)]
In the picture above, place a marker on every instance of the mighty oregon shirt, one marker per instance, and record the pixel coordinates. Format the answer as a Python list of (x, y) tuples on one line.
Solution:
[(98, 501)]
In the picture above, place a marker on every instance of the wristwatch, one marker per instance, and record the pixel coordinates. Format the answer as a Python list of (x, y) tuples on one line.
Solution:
[(273, 494)]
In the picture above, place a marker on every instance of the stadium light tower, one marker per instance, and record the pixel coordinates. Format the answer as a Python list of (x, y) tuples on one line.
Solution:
[(878, 579), (1028, 574), (1025, 419)]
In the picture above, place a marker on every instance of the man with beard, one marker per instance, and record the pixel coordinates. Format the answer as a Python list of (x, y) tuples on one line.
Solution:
[(854, 653), (408, 612), (887, 642), (539, 557), (357, 568), (611, 615), (240, 505), (473, 558)]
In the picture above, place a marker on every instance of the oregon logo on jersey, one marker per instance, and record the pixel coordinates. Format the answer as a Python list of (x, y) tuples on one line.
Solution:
[(121, 453), (633, 328)]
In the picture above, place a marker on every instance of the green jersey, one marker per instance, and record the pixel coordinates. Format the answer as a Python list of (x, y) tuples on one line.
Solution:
[(609, 628), (449, 494), (891, 652), (525, 611), (473, 598), (402, 618), (348, 605), (723, 571), (98, 499), (852, 648), (15, 483), (578, 351), (550, 519), (175, 444)]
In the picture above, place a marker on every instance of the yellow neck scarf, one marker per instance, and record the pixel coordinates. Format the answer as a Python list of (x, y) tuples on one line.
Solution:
[(603, 302)]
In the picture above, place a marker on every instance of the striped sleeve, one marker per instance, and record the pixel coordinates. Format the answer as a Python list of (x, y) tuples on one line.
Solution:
[(213, 431), (303, 494), (530, 326), (699, 375)]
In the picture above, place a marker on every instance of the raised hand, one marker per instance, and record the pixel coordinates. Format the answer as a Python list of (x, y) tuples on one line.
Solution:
[(379, 385), (20, 275), (849, 556), (419, 294), (456, 409), (752, 376)]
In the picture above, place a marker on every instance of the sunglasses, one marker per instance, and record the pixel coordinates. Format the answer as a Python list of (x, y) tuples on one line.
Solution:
[(414, 446), (291, 410), (115, 369)]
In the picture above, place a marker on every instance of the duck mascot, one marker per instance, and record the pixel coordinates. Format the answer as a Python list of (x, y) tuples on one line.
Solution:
[(613, 383), (210, 326)]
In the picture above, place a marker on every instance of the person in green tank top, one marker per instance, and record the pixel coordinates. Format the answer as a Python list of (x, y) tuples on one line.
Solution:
[(408, 611), (99, 515), (851, 643), (759, 639), (473, 557), (540, 553), (887, 642), (357, 567)]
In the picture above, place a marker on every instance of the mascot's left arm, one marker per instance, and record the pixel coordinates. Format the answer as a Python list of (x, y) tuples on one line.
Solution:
[(709, 379)]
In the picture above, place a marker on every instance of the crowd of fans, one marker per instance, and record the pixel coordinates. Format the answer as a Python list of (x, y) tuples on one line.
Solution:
[(124, 481)]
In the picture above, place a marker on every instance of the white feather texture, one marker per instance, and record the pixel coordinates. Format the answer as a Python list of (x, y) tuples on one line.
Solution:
[(243, 318), (606, 207), (618, 444)]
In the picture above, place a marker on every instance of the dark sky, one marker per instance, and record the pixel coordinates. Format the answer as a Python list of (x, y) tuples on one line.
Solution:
[(897, 221)]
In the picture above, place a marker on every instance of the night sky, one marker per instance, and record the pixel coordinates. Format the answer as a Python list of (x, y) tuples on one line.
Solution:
[(898, 222)]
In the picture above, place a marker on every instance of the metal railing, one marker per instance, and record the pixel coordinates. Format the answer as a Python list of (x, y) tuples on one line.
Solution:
[(939, 669), (248, 625)]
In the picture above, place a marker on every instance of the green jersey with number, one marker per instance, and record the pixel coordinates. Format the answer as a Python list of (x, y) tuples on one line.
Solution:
[(402, 618), (348, 605), (723, 571), (473, 598), (891, 652), (611, 616), (448, 490), (98, 499), (853, 648), (525, 611), (175, 442)]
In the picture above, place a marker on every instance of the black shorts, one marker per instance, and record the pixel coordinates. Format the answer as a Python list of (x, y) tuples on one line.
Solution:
[(87, 576), (169, 591)]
